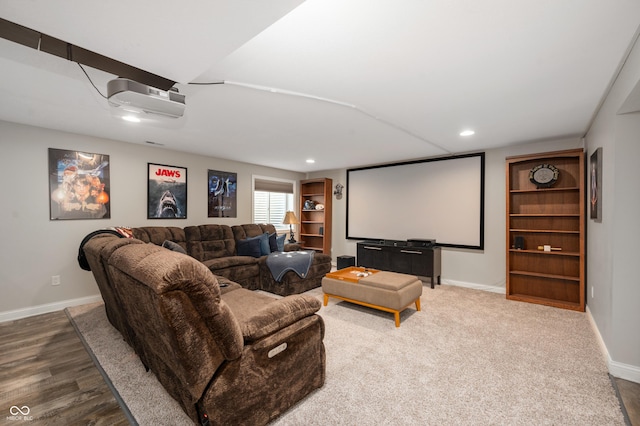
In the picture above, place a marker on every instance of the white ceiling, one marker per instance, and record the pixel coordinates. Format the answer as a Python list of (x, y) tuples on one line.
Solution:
[(345, 82)]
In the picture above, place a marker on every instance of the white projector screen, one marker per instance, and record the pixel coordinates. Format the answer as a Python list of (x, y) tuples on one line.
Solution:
[(441, 199)]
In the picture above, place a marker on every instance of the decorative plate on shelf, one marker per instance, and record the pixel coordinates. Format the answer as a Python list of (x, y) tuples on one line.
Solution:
[(544, 175), (319, 206)]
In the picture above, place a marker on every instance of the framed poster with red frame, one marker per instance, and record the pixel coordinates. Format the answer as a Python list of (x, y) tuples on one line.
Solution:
[(166, 192)]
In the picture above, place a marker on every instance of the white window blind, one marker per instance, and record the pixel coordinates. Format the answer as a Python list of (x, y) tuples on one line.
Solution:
[(270, 207)]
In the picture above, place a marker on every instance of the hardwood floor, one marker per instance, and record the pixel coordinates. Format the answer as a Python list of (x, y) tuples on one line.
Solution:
[(630, 395), (45, 367), (46, 372)]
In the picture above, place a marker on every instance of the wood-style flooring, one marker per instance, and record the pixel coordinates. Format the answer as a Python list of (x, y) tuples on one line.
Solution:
[(48, 378), (45, 370), (630, 395)]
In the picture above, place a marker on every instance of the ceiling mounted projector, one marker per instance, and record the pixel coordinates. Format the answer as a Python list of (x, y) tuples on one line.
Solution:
[(136, 97)]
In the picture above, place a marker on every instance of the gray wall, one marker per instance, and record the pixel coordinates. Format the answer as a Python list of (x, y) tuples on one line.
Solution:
[(35, 248), (612, 245)]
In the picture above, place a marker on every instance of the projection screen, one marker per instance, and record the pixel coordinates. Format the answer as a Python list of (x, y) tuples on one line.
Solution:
[(441, 199)]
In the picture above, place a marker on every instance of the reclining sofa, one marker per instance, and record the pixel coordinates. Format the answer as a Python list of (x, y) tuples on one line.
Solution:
[(216, 246), (228, 355)]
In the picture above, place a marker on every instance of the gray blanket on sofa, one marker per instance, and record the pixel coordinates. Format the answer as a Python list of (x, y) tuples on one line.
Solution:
[(281, 262)]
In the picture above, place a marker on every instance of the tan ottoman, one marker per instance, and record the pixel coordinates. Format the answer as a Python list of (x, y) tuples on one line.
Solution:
[(386, 291)]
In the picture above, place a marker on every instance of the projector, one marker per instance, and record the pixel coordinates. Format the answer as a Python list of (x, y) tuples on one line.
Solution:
[(137, 97)]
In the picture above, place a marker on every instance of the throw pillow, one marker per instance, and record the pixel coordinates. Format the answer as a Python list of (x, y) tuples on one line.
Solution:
[(264, 244), (280, 241), (273, 243), (168, 244), (249, 247)]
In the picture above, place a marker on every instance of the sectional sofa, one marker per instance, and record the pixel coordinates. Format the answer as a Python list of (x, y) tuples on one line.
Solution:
[(217, 247), (227, 354)]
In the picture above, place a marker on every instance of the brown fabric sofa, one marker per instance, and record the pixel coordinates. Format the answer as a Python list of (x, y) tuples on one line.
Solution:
[(291, 283), (228, 354), (216, 247)]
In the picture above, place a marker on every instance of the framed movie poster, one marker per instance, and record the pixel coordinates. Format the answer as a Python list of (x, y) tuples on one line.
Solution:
[(166, 192), (222, 199), (78, 185), (595, 183)]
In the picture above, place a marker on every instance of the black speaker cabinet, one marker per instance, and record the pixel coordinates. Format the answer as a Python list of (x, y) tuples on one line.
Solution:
[(346, 261)]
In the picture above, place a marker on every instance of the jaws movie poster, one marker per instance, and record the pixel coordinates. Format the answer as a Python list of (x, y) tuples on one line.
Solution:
[(167, 192)]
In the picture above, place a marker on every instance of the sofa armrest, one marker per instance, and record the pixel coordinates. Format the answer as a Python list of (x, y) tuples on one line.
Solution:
[(278, 315), (292, 247)]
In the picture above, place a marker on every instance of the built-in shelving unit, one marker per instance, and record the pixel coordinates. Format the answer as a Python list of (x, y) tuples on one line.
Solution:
[(315, 223), (546, 216)]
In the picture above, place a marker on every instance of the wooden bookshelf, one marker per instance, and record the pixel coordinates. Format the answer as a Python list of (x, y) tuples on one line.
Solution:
[(553, 216), (315, 224)]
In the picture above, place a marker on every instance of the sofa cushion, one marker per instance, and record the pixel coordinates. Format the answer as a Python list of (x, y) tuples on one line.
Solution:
[(241, 232), (159, 234), (243, 270), (280, 242), (260, 315), (250, 247), (206, 242)]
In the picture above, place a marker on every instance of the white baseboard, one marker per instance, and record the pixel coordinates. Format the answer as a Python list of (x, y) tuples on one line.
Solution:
[(49, 307), (475, 286), (624, 371), (616, 369)]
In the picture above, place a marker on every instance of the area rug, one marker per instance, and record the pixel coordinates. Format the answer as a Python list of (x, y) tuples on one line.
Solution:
[(469, 357)]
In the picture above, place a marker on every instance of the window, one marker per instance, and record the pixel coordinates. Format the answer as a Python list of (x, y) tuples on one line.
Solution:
[(272, 198)]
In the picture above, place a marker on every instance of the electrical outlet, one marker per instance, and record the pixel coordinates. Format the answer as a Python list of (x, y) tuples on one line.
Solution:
[(55, 280)]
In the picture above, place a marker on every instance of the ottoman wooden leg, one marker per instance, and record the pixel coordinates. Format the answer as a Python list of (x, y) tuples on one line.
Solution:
[(396, 314), (417, 304), (326, 299)]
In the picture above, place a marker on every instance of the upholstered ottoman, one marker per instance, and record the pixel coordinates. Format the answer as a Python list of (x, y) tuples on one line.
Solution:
[(386, 291)]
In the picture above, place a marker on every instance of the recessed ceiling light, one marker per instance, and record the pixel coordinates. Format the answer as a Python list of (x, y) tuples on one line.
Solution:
[(311, 161), (467, 133), (131, 118)]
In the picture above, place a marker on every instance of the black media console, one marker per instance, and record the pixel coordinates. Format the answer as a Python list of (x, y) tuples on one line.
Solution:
[(413, 257)]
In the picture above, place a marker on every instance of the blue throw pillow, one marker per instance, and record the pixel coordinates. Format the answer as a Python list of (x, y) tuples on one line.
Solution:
[(273, 244), (249, 247), (264, 244), (280, 241)]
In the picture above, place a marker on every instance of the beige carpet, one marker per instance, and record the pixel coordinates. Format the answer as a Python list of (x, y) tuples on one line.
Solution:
[(468, 358)]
